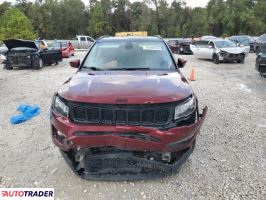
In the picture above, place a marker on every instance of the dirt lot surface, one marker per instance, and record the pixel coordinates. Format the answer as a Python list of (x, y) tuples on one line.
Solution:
[(229, 161)]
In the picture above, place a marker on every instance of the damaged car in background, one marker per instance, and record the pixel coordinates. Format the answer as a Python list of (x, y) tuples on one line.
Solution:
[(219, 50), (128, 113), (26, 54), (261, 61)]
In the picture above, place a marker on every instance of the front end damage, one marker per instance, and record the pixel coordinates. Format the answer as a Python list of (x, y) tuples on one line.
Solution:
[(22, 58), (117, 151), (231, 57)]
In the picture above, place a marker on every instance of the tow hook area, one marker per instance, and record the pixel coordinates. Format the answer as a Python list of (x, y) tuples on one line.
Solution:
[(166, 157), (109, 163), (79, 156)]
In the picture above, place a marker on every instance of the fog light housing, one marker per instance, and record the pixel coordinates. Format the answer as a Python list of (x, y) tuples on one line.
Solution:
[(59, 136)]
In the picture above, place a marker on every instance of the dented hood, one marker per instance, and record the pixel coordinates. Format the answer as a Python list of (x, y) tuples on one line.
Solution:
[(14, 43), (233, 50), (124, 87)]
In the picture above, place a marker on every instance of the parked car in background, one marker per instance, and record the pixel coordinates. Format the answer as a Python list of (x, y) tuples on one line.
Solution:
[(66, 48), (127, 113), (82, 42), (208, 37), (218, 50), (180, 45), (261, 61), (259, 42), (244, 41), (3, 51), (2, 59), (25, 53)]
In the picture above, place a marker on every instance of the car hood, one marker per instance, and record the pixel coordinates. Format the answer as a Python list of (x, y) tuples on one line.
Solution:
[(3, 50), (124, 87), (13, 43), (233, 50)]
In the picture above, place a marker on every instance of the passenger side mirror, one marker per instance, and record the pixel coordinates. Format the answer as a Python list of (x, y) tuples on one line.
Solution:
[(181, 62), (75, 63)]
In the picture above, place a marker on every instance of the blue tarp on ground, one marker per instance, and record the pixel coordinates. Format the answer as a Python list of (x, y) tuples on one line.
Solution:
[(27, 112)]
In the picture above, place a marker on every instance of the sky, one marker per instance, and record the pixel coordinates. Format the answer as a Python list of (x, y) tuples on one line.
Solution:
[(191, 3)]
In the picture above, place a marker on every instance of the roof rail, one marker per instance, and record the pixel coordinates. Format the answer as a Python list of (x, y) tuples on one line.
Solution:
[(103, 36)]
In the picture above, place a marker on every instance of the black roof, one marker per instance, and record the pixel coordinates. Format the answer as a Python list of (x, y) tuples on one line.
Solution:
[(130, 39)]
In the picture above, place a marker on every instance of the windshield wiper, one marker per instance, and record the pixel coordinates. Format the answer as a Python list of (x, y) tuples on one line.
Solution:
[(133, 68), (92, 68)]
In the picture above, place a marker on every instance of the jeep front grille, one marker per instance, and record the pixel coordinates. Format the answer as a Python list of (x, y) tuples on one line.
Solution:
[(121, 114)]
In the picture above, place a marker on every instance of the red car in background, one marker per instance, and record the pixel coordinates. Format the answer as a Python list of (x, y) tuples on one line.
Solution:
[(180, 45), (66, 48)]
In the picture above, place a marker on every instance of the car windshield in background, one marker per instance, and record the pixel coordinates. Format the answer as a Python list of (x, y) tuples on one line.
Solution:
[(129, 55), (225, 44), (244, 41), (263, 48), (59, 44), (185, 41)]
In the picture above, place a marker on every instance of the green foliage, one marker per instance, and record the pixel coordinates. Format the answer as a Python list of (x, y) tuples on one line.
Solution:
[(66, 18), (4, 7), (14, 24), (97, 21)]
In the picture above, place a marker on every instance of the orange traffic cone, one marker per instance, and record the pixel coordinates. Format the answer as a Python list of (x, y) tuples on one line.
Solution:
[(192, 75)]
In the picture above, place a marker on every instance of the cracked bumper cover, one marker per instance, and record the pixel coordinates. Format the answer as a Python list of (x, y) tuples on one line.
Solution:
[(125, 166)]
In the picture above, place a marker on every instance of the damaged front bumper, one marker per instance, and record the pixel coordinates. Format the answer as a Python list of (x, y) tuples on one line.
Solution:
[(229, 57), (107, 153)]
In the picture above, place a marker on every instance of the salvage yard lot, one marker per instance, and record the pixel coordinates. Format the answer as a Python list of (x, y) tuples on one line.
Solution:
[(229, 161)]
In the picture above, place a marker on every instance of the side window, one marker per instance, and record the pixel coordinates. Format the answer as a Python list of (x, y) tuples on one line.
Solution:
[(82, 39), (90, 39), (201, 44), (233, 39), (211, 44)]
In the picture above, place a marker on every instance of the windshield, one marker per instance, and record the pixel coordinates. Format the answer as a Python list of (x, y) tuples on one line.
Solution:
[(263, 48), (225, 44), (120, 55), (59, 44), (244, 41)]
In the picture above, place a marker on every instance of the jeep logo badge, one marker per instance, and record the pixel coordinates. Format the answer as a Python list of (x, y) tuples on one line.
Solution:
[(121, 100)]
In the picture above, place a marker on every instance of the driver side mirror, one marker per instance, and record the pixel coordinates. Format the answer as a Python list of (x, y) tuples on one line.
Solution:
[(75, 63), (181, 62)]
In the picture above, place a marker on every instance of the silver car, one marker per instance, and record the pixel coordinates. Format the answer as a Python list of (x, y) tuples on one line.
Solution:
[(219, 50)]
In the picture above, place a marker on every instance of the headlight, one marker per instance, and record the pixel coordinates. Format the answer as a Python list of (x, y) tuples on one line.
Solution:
[(60, 107), (186, 108)]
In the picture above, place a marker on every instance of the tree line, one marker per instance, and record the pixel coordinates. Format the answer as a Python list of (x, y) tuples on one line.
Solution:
[(63, 19)]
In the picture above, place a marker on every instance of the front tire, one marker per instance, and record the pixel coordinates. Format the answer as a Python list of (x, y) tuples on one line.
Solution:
[(178, 51), (242, 60), (215, 59), (258, 50), (262, 75), (40, 64), (8, 67)]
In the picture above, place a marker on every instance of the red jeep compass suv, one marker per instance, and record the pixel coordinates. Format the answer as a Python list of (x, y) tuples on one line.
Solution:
[(127, 113)]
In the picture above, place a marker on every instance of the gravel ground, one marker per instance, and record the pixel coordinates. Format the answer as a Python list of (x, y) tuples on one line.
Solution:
[(229, 161)]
